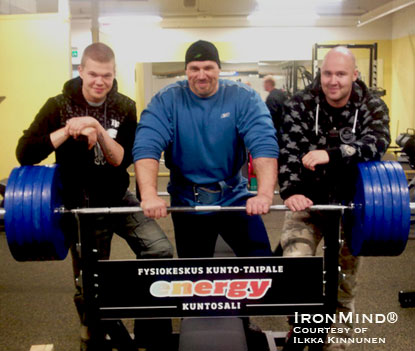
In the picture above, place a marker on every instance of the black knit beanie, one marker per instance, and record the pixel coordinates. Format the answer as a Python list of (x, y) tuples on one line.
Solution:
[(202, 51)]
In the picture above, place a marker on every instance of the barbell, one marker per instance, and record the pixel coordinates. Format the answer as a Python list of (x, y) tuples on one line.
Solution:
[(376, 223)]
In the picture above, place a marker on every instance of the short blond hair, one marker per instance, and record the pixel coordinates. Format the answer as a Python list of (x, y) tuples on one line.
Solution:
[(98, 52), (269, 79)]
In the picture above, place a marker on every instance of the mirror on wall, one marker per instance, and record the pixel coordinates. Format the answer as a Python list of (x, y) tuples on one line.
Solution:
[(289, 75)]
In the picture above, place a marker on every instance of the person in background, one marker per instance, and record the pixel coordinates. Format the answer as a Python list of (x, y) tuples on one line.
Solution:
[(275, 100)]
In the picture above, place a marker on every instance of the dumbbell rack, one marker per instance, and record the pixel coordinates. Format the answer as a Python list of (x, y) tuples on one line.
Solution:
[(111, 325)]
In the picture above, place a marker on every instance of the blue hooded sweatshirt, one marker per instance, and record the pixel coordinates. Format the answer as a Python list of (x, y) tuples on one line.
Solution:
[(205, 139)]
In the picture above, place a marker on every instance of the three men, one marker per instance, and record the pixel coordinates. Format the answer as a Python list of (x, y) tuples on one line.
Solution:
[(205, 125)]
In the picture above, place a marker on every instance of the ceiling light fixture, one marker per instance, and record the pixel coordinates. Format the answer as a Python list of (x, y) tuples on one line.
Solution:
[(142, 19)]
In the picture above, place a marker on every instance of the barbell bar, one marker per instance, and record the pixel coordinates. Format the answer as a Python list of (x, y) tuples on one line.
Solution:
[(376, 223), (136, 209)]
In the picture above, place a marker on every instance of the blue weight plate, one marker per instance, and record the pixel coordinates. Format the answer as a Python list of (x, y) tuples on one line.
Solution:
[(46, 215), (21, 249), (369, 219), (50, 220), (381, 244), (388, 203), (376, 245), (57, 202), (395, 232), (377, 233), (363, 212), (9, 208), (26, 224), (18, 216), (37, 205), (405, 211)]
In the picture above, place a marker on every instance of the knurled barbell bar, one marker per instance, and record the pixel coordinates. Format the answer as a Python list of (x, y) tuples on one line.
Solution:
[(376, 224)]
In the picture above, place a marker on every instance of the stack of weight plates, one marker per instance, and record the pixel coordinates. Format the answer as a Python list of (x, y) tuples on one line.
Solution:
[(32, 225), (381, 214)]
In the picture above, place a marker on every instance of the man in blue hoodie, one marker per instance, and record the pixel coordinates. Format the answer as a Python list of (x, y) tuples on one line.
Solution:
[(205, 124)]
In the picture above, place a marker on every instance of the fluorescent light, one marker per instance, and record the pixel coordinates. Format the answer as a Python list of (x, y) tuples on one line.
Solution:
[(260, 17), (383, 11), (144, 19), (268, 4)]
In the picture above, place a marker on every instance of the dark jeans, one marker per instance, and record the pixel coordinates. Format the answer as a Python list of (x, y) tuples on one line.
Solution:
[(144, 237), (196, 233)]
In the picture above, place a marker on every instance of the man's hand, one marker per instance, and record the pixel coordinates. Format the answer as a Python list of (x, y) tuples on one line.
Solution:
[(314, 158), (298, 202), (154, 207), (91, 134), (76, 125), (258, 205)]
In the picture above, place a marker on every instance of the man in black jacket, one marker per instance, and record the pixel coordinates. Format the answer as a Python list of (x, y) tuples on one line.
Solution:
[(91, 129), (328, 128), (275, 100)]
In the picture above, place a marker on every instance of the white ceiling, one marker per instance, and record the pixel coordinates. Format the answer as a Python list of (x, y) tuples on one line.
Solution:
[(228, 13), (180, 8), (220, 13)]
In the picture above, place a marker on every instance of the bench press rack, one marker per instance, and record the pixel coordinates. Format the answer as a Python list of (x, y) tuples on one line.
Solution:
[(318, 278), (376, 224)]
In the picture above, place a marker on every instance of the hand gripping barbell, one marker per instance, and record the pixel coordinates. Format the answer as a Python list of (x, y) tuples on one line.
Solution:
[(377, 223)]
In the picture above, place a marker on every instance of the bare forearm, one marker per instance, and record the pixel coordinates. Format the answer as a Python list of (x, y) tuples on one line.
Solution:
[(58, 137), (266, 172), (113, 152), (146, 171)]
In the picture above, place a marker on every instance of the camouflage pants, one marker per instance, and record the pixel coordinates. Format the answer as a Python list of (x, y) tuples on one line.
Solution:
[(301, 234)]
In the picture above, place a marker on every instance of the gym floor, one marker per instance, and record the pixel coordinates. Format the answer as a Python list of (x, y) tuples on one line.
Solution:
[(36, 304)]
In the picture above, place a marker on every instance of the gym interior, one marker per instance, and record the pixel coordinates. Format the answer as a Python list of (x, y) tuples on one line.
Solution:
[(42, 45)]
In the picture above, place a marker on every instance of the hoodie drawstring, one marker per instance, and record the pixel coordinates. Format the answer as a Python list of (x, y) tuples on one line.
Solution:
[(318, 109), (354, 122)]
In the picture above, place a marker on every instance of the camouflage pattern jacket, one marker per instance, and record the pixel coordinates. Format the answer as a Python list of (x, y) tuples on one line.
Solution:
[(357, 132)]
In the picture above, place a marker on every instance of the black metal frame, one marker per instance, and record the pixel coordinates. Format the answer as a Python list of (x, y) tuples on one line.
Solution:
[(373, 59), (119, 335), (291, 76)]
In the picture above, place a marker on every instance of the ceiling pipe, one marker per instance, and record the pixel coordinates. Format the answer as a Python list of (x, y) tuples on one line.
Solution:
[(383, 11)]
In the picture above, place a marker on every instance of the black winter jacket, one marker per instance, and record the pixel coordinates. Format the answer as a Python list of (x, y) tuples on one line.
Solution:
[(357, 132), (88, 180)]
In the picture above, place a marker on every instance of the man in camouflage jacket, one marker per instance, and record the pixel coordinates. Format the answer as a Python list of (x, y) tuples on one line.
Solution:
[(328, 128)]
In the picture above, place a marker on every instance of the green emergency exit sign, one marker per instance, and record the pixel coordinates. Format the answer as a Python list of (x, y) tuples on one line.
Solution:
[(74, 53)]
